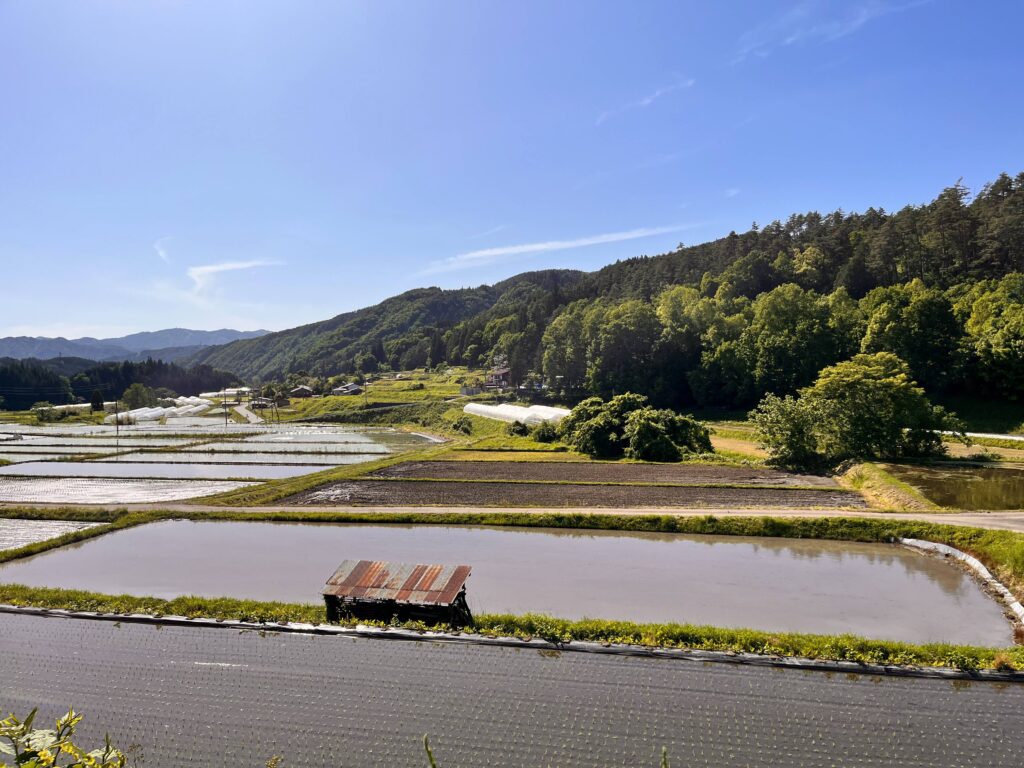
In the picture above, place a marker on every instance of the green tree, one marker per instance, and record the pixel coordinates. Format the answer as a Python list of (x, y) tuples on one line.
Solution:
[(995, 327), (790, 338), (785, 427), (138, 396), (623, 350), (565, 342), (918, 325), (96, 401), (866, 407)]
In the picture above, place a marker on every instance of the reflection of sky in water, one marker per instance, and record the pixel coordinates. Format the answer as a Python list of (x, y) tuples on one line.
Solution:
[(805, 585), (169, 471)]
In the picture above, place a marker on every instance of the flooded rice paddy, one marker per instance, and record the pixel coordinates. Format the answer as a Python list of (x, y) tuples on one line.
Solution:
[(18, 533), (18, 458), (875, 590), (166, 471), (93, 490), (151, 462), (209, 457), (966, 487), (34, 441), (334, 447)]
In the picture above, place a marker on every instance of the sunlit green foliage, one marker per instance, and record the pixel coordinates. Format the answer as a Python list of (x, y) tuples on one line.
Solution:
[(627, 426), (866, 407), (31, 747)]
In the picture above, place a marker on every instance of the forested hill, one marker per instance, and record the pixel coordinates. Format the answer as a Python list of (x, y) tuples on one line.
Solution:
[(406, 331), (698, 324)]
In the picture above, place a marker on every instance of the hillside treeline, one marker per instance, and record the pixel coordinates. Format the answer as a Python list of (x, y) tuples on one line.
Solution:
[(26, 382), (951, 246), (684, 348), (726, 322)]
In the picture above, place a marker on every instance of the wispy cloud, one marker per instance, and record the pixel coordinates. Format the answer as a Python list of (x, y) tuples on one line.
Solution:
[(489, 232), (486, 256), (815, 21), (202, 276), (161, 250), (731, 192), (647, 100)]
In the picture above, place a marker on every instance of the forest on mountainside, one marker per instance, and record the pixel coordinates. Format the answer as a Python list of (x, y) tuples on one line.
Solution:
[(719, 323), (26, 382)]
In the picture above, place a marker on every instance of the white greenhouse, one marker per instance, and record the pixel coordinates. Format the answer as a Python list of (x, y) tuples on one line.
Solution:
[(534, 414)]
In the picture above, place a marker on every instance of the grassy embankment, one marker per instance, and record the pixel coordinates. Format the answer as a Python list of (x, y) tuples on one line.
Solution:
[(31, 418), (1001, 551), (884, 491)]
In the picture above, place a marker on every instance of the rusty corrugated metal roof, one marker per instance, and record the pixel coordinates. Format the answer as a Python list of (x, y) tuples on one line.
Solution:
[(402, 582)]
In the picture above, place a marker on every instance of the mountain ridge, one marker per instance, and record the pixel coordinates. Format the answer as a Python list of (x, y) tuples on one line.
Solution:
[(170, 343)]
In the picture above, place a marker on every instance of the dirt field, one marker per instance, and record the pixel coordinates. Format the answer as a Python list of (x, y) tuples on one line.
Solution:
[(602, 472), (505, 494)]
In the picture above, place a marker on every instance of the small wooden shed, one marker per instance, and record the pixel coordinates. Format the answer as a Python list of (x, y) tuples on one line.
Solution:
[(381, 591)]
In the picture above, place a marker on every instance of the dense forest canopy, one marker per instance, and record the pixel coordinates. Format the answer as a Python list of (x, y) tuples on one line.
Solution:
[(721, 323), (25, 382)]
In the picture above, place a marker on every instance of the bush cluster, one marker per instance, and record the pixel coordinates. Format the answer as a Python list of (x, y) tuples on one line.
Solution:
[(867, 407), (628, 426)]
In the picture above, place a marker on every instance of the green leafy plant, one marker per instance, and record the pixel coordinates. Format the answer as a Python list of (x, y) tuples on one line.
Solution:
[(42, 747)]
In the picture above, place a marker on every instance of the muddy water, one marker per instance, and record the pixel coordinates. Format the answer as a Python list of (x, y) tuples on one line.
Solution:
[(875, 590), (966, 487)]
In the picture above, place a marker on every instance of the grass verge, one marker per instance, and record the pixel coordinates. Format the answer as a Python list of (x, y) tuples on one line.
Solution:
[(884, 491), (559, 631)]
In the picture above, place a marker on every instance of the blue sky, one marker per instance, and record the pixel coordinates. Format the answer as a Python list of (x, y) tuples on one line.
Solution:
[(267, 164)]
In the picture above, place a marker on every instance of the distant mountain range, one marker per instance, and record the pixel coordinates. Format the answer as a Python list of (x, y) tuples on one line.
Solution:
[(170, 345)]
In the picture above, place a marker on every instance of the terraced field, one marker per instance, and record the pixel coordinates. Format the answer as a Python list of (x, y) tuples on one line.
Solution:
[(603, 472), (98, 464), (581, 484)]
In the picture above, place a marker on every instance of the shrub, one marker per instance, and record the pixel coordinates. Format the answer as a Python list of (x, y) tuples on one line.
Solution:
[(517, 428), (463, 424), (627, 426), (598, 437), (545, 432)]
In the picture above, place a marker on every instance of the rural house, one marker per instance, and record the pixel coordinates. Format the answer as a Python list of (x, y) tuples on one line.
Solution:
[(498, 378), (351, 388)]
